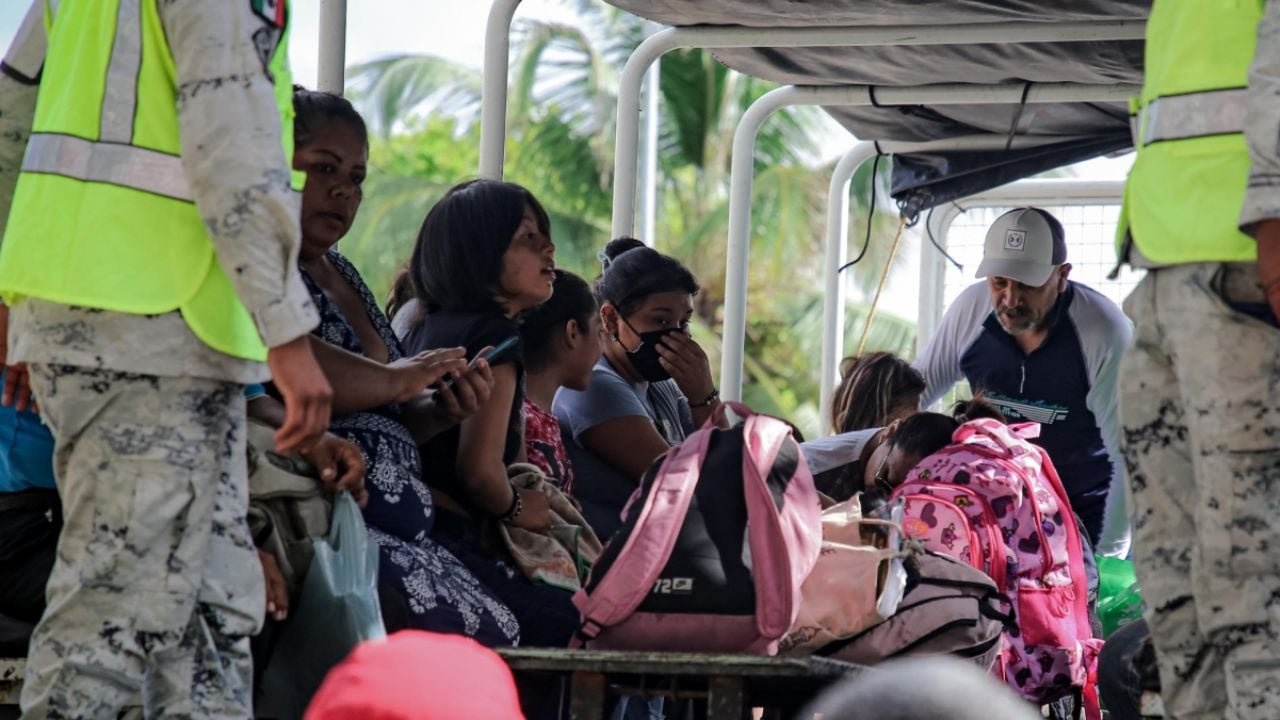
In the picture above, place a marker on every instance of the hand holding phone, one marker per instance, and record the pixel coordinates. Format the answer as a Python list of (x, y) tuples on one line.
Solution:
[(489, 355), (462, 396)]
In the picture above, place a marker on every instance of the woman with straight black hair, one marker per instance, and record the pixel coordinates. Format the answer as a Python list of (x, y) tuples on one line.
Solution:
[(651, 389), (484, 256)]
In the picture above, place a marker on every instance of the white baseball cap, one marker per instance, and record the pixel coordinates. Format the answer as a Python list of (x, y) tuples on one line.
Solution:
[(1024, 244)]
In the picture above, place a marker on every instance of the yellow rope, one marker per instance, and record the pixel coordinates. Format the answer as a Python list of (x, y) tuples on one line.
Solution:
[(884, 276)]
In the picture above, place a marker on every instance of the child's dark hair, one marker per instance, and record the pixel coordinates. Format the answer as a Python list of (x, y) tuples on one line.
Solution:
[(457, 261), (924, 434), (540, 327), (871, 388), (632, 272), (977, 407), (313, 109)]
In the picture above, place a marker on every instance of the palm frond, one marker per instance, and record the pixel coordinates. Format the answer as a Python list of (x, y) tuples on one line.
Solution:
[(392, 90)]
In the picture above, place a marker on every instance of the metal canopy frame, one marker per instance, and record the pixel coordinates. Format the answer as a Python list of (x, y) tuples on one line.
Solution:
[(640, 64), (742, 166)]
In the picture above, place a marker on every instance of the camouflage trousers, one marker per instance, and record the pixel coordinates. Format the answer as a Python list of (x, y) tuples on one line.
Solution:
[(157, 586), (1200, 403)]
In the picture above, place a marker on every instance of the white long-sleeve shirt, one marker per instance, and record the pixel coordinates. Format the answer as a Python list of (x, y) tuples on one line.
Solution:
[(1068, 385)]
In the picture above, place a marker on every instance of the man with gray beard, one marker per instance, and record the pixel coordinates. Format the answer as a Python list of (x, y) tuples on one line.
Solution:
[(1044, 349)]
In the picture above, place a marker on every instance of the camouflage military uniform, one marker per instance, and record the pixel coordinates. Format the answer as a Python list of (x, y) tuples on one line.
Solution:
[(1200, 403), (1200, 400), (156, 570), (157, 586)]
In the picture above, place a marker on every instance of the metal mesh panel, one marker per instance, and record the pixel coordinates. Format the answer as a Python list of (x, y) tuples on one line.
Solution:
[(1091, 232)]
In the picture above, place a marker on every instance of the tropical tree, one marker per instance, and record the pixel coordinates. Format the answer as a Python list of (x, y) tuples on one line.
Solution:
[(560, 133)]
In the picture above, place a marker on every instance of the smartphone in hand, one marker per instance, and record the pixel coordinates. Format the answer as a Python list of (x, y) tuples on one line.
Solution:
[(491, 356)]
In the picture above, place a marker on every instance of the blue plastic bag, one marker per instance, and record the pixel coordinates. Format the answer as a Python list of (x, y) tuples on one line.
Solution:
[(336, 609)]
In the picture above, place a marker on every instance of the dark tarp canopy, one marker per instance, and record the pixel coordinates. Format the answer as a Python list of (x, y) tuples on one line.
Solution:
[(921, 181)]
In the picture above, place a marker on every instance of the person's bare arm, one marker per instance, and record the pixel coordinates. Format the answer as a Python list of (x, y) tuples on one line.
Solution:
[(448, 404), (339, 462), (480, 464), (361, 384), (629, 444)]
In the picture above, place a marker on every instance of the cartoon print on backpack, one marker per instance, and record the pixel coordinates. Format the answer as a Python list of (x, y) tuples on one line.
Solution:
[(1001, 506), (1014, 510), (919, 527), (949, 536)]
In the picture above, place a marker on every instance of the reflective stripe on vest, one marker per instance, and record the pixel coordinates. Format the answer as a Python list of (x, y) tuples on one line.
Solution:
[(1182, 117), (120, 102), (122, 165), (103, 214), (1183, 198)]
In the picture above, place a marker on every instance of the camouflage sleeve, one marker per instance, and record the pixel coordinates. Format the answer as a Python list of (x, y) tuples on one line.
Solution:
[(1262, 124), (234, 157), (19, 81)]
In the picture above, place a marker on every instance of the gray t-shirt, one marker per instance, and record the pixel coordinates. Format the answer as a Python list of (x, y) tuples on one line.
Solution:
[(598, 485)]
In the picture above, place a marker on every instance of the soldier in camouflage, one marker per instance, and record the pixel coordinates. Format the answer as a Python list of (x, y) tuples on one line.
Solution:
[(157, 588), (1200, 388)]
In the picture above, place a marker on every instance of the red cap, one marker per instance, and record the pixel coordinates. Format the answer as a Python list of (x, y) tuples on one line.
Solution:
[(415, 675)]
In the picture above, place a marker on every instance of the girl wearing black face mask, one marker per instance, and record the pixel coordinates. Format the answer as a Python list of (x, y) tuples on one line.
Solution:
[(651, 389)]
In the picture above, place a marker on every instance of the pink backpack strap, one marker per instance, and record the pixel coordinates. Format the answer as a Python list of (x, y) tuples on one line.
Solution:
[(718, 415), (1075, 552), (1026, 431), (771, 562), (646, 552)]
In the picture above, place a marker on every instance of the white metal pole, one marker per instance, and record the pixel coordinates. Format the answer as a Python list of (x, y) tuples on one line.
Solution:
[(493, 98), (743, 161), (1049, 192), (332, 69), (933, 276), (833, 284), (660, 43), (649, 176)]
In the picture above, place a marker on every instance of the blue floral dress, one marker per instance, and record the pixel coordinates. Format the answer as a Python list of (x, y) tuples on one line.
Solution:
[(441, 594)]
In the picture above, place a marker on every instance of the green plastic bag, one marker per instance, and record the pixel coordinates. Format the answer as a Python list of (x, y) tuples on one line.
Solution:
[(336, 610), (1119, 598)]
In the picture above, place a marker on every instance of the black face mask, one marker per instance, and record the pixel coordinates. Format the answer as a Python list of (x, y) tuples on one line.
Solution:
[(645, 359)]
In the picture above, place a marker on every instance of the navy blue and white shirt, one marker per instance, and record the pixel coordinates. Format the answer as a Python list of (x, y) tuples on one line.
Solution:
[(1068, 385)]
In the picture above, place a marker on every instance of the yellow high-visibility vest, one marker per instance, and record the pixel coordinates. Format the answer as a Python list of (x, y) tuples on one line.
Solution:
[(102, 215), (1183, 197)]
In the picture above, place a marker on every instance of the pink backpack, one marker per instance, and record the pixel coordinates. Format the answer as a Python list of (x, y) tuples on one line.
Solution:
[(714, 546), (994, 500)]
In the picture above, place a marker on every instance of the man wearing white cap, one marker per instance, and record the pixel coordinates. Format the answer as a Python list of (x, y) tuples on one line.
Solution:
[(1043, 349)]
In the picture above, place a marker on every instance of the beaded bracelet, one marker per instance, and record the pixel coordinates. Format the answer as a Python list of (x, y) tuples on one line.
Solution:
[(712, 399), (517, 505)]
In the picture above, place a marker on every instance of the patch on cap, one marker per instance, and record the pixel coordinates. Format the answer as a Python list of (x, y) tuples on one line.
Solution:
[(1015, 240)]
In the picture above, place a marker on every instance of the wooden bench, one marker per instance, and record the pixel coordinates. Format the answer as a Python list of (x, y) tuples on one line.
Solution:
[(11, 670), (730, 685)]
